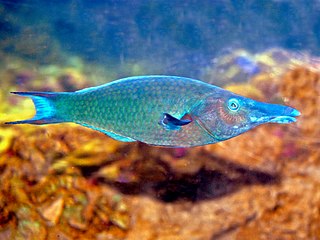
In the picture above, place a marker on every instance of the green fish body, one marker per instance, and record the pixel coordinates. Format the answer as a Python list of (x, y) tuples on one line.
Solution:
[(158, 110)]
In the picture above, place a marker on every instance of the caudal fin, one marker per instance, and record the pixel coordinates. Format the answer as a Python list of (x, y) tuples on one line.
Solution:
[(44, 103)]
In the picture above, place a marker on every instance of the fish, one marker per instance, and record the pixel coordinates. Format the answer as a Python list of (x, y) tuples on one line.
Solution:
[(159, 110)]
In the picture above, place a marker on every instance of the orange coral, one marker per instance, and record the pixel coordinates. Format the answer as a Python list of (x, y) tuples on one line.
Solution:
[(301, 89), (69, 181)]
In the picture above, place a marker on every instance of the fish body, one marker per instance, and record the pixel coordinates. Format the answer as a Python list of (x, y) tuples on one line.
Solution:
[(158, 110)]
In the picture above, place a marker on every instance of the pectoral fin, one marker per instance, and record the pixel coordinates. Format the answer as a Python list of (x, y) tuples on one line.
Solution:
[(171, 123)]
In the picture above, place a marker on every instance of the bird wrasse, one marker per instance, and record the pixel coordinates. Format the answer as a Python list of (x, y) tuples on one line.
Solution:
[(158, 110)]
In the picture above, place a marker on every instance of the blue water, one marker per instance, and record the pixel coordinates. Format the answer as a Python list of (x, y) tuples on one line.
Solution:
[(164, 37)]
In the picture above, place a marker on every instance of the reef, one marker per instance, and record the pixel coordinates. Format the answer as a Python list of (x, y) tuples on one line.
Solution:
[(67, 182)]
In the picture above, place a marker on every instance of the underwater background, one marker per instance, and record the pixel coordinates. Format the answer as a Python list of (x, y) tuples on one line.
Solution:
[(65, 181)]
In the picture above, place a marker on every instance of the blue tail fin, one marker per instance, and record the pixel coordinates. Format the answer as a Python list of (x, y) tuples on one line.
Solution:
[(44, 103)]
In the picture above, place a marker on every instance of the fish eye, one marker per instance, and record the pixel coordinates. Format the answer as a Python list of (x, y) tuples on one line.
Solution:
[(233, 104)]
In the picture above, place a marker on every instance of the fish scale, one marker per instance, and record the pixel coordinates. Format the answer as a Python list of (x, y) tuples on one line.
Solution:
[(133, 109)]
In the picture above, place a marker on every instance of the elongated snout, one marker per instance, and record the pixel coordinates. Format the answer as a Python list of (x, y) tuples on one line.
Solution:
[(273, 113)]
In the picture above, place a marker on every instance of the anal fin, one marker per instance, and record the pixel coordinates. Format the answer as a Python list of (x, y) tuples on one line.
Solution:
[(119, 137), (110, 134)]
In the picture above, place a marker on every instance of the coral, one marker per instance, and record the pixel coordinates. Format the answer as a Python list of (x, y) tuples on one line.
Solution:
[(246, 89), (237, 66), (71, 182), (261, 149), (301, 88), (284, 218), (261, 70), (65, 202)]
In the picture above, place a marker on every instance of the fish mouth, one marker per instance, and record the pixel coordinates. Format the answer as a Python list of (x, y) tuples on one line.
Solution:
[(282, 119)]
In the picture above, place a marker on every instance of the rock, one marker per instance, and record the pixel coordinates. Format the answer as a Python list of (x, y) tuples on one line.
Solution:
[(52, 211)]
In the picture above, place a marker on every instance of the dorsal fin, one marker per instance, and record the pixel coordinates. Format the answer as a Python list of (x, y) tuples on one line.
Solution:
[(171, 123)]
